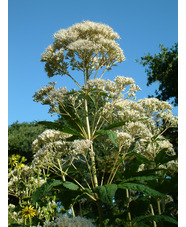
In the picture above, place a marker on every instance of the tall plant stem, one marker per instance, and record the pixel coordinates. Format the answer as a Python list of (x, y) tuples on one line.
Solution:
[(89, 137), (93, 167), (159, 207), (87, 118), (98, 202), (152, 212), (128, 212)]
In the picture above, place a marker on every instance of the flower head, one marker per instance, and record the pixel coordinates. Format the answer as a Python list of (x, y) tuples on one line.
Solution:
[(86, 43), (28, 212)]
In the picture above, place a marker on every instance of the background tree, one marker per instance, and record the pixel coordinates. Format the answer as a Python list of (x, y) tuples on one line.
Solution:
[(21, 136), (163, 67)]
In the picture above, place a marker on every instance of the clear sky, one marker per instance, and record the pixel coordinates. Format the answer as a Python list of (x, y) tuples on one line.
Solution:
[(142, 26)]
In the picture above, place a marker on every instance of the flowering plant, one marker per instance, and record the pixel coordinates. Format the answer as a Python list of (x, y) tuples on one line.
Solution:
[(107, 149)]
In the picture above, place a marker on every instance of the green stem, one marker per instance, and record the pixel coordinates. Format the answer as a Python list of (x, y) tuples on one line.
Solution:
[(152, 212), (89, 137), (82, 176), (94, 168), (128, 212), (72, 209), (87, 118), (30, 221), (159, 207), (63, 178)]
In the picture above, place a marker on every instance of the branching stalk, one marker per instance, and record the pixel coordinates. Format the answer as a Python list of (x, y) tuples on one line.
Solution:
[(82, 176), (152, 212)]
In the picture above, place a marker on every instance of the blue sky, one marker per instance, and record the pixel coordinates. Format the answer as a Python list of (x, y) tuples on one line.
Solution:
[(142, 26)]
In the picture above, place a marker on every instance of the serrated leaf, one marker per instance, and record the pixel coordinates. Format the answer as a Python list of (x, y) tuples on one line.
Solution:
[(119, 124), (141, 224), (161, 155), (60, 127), (45, 189), (93, 98), (141, 178), (149, 172), (139, 157), (141, 188), (111, 134), (70, 185), (115, 125), (155, 218), (70, 131), (106, 193)]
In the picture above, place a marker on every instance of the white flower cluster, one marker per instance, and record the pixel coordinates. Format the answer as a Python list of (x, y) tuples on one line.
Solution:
[(122, 81), (27, 174), (91, 42), (171, 165), (50, 96), (124, 139), (96, 83), (51, 147), (138, 129), (160, 109), (69, 222), (13, 215), (114, 89), (81, 146), (49, 135), (164, 143), (151, 148), (50, 152), (129, 110), (154, 105)]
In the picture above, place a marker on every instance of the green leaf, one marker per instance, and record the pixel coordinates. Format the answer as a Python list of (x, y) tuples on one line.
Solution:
[(68, 197), (45, 189), (70, 185), (155, 218), (93, 98), (162, 157), (71, 118), (17, 225), (141, 224), (106, 193), (149, 172), (139, 206), (142, 159), (141, 178), (70, 131), (132, 168), (119, 124), (60, 127), (141, 188), (111, 134), (115, 125)]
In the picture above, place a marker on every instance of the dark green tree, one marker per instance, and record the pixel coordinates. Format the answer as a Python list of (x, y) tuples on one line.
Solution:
[(21, 136), (163, 67)]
